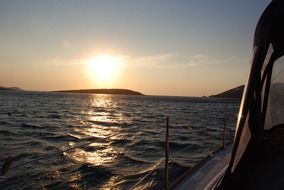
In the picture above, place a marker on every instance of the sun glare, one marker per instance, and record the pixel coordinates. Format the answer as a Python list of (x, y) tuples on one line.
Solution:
[(104, 69)]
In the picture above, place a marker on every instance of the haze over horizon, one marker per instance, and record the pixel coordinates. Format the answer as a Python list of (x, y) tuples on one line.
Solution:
[(163, 47)]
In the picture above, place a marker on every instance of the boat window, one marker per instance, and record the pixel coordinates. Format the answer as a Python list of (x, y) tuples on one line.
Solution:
[(275, 111)]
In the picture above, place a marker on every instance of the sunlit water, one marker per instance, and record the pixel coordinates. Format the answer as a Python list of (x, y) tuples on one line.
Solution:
[(126, 136)]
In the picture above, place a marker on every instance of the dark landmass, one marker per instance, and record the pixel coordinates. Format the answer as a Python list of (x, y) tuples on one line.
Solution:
[(232, 93), (9, 88), (104, 91)]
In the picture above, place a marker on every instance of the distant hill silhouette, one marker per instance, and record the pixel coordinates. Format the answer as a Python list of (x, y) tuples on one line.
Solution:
[(9, 88), (104, 91), (232, 93)]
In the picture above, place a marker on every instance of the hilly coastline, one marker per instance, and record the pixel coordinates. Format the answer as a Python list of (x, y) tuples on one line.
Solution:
[(104, 91), (235, 93), (9, 88), (232, 93)]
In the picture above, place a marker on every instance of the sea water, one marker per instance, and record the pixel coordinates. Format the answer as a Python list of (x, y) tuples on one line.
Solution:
[(87, 141)]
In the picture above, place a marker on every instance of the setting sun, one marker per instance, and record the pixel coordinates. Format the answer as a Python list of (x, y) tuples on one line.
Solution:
[(104, 69)]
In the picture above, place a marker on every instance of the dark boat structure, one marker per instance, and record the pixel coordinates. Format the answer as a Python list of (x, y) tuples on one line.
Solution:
[(256, 158)]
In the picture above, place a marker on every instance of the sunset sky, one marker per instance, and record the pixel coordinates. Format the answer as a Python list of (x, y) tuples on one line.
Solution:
[(157, 47)]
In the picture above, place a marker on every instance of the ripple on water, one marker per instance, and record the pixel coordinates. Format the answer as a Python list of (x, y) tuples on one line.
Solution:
[(125, 137)]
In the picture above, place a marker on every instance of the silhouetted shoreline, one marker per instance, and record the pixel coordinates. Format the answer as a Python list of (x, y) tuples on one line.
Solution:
[(104, 91), (235, 93), (9, 88)]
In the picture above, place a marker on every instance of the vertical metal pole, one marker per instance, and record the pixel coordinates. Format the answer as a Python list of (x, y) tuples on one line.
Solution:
[(167, 157), (225, 124)]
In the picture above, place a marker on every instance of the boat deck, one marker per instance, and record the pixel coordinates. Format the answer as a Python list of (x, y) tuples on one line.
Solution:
[(207, 173)]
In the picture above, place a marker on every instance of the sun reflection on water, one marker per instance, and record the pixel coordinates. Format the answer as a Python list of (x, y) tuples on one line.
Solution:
[(97, 158), (101, 123), (74, 182)]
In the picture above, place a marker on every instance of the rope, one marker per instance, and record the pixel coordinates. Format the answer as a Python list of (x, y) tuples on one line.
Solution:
[(155, 166), (149, 173), (184, 149), (188, 147)]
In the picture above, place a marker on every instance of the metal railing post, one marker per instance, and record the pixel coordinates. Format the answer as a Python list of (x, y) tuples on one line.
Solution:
[(167, 157), (225, 125)]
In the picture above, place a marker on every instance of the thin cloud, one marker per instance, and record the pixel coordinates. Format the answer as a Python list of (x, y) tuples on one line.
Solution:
[(174, 60), (60, 62), (155, 61)]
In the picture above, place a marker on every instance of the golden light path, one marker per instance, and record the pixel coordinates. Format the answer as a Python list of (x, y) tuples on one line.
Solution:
[(99, 122), (104, 69), (103, 152)]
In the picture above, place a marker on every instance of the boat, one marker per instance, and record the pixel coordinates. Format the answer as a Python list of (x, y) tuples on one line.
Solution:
[(255, 160)]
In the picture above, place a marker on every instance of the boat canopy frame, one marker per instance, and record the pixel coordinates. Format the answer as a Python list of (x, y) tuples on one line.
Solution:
[(252, 120)]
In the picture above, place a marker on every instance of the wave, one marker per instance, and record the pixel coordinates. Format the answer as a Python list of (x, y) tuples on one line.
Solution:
[(74, 136), (8, 133), (4, 123), (42, 124), (136, 159), (54, 116), (30, 126), (120, 142), (109, 123), (58, 137)]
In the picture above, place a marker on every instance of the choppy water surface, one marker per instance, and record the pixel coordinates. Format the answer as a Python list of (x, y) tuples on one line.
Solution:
[(125, 136)]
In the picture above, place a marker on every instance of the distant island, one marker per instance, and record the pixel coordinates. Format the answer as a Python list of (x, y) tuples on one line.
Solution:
[(9, 88), (235, 93), (104, 91), (232, 93)]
